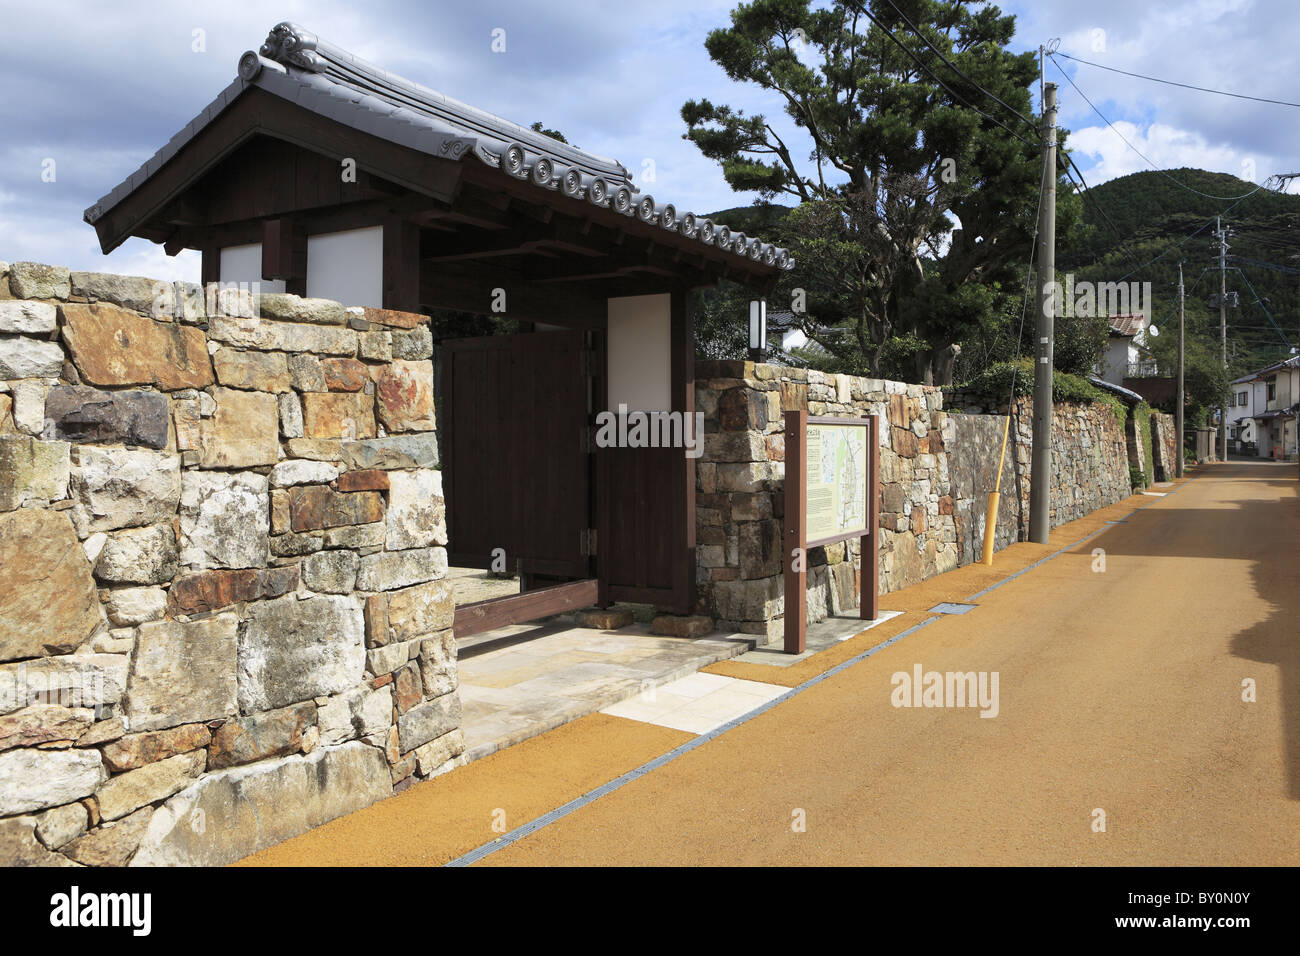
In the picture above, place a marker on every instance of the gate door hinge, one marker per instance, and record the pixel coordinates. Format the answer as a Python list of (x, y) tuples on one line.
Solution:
[(588, 541)]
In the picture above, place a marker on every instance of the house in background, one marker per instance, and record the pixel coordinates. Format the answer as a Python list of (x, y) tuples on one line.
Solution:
[(1278, 392), (1123, 356), (1247, 401)]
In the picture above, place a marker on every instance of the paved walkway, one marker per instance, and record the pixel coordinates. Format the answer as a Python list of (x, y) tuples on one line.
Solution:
[(1121, 663)]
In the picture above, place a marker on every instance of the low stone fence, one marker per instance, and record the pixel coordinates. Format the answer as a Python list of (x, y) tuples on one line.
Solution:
[(222, 613), (740, 481), (936, 470)]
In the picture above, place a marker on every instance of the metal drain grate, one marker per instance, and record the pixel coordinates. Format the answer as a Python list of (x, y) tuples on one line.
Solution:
[(947, 607)]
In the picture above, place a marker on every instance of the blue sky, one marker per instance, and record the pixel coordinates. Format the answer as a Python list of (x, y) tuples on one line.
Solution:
[(97, 88)]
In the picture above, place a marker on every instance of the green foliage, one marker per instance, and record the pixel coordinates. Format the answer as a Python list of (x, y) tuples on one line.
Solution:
[(553, 133), (993, 385), (885, 162), (1153, 215)]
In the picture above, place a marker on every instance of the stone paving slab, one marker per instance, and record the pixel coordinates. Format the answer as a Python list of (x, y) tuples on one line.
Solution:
[(820, 636), (697, 703), (522, 681)]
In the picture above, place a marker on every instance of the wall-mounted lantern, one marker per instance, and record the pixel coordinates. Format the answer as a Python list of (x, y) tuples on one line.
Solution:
[(757, 329)]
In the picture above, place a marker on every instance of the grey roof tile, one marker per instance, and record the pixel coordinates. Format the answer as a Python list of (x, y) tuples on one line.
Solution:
[(328, 80)]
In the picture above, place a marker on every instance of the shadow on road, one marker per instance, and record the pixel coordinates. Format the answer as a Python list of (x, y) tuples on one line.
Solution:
[(1263, 529)]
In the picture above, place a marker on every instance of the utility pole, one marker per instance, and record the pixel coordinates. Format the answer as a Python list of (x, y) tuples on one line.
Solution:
[(1222, 237), (1040, 482), (1178, 417)]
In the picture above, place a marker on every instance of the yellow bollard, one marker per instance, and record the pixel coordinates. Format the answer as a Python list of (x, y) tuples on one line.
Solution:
[(990, 526), (991, 516)]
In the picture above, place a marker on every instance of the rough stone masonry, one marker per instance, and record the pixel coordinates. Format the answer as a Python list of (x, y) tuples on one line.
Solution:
[(223, 618)]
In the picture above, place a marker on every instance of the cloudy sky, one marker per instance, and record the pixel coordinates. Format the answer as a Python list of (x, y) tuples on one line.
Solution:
[(97, 89)]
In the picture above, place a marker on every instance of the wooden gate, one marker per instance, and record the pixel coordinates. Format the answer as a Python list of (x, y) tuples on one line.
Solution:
[(516, 468)]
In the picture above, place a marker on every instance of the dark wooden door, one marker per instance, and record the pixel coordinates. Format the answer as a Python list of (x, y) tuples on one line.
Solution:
[(516, 468)]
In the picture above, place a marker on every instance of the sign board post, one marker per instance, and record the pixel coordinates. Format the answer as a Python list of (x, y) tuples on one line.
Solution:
[(831, 495)]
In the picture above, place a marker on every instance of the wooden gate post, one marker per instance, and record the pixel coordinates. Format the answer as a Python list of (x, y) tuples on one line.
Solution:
[(793, 553), (869, 545)]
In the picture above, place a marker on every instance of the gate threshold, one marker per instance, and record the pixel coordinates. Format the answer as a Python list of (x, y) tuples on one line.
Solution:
[(522, 608)]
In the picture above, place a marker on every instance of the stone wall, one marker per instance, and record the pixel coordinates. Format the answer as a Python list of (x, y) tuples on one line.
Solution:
[(740, 491), (223, 617), (936, 470), (1163, 445), (1090, 457)]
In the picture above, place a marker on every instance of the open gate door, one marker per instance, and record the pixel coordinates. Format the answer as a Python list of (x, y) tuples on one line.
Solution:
[(516, 468)]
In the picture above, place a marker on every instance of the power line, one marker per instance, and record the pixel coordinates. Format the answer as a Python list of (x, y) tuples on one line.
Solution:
[(1116, 131), (1186, 86)]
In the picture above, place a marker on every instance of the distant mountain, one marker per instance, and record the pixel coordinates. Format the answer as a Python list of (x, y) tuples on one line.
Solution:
[(1152, 214)]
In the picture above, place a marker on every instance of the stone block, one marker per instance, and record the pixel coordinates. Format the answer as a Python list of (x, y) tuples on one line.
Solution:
[(111, 346), (306, 373), (135, 750), (395, 451), (116, 488), (259, 371), (257, 805), (394, 318), (276, 733), (32, 470), (39, 724), (182, 672), (438, 663), (273, 336), (416, 512), (128, 792), (24, 357), (292, 650), (676, 625), (213, 590), (113, 844), (27, 318), (434, 756), (300, 471), (291, 308), (347, 415), (357, 712), (79, 413), (428, 721), (414, 345), (416, 611), (372, 479), (390, 570), (136, 293), (604, 619), (61, 825), (290, 407), (356, 537), (48, 601), (224, 520), (82, 680), (139, 556), (244, 431), (315, 507), (404, 396), (344, 374), (331, 572), (38, 779), (35, 280)]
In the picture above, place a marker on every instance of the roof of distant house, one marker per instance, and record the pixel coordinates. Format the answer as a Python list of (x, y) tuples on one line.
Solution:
[(1127, 325)]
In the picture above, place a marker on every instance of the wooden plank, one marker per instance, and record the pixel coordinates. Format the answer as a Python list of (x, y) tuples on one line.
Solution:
[(794, 553), (682, 531), (869, 565), (521, 608)]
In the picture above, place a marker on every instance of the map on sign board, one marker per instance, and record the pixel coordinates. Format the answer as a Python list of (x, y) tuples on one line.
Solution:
[(837, 480)]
